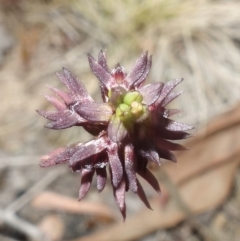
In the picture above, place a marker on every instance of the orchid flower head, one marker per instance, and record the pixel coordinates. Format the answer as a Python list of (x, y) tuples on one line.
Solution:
[(130, 127)]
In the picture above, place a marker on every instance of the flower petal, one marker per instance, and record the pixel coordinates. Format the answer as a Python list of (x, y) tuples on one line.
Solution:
[(57, 103), (76, 88), (119, 194), (86, 181), (169, 145), (58, 156), (151, 92), (95, 112), (167, 128), (166, 154), (101, 178), (102, 60), (115, 164), (138, 70), (103, 76), (151, 179), (66, 97), (142, 195), (170, 112), (62, 124), (116, 129), (167, 89), (61, 119), (66, 155), (171, 97), (145, 74), (50, 159), (87, 163), (86, 150), (151, 155), (174, 135), (53, 115), (130, 167), (176, 126)]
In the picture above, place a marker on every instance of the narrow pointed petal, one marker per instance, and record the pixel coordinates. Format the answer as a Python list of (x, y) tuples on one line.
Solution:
[(119, 194), (87, 163), (169, 129), (54, 115), (176, 126), (145, 74), (170, 145), (150, 92), (174, 135), (86, 150), (115, 164), (130, 167), (151, 179), (166, 154), (137, 70), (101, 178), (51, 158), (62, 94), (142, 195), (96, 112), (116, 130), (102, 60), (57, 103), (171, 97), (141, 162), (61, 119), (151, 155), (66, 154), (103, 76), (51, 114), (170, 112), (168, 87), (76, 88), (104, 93), (61, 155), (62, 124), (86, 181)]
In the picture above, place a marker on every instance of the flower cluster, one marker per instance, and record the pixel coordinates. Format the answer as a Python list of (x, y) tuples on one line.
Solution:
[(130, 127)]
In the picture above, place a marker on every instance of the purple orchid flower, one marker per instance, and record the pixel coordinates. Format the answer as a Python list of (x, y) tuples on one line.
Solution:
[(130, 127)]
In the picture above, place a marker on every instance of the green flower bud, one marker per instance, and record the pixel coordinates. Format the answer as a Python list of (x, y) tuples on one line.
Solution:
[(124, 112), (132, 96), (124, 108)]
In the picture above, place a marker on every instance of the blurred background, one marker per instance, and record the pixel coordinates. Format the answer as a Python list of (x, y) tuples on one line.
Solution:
[(198, 40)]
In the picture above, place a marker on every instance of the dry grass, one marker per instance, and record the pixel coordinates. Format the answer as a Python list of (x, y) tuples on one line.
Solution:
[(198, 40)]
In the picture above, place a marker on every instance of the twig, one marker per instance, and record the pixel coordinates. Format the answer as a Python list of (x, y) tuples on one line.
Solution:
[(21, 225), (53, 201), (36, 188)]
